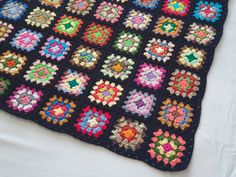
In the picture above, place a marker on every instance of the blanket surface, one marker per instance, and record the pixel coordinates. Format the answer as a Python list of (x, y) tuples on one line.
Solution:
[(126, 75)]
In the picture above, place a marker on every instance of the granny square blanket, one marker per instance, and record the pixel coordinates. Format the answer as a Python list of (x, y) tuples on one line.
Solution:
[(128, 75)]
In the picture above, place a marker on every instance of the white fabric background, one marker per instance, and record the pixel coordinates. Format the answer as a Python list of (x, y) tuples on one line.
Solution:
[(28, 150)]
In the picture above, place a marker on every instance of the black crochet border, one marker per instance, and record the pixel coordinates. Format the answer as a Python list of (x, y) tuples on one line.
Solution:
[(152, 124)]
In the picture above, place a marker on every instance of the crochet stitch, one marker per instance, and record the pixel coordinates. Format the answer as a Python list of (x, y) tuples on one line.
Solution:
[(128, 75)]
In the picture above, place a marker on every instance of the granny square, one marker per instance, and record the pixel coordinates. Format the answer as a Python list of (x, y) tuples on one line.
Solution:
[(27, 40), (52, 3), (40, 17), (168, 26), (80, 7), (117, 67), (68, 25), (73, 82), (13, 10), (92, 122), (11, 63), (109, 12), (97, 34), (85, 57), (55, 48), (41, 72), (139, 103), (127, 75), (5, 30), (138, 20), (24, 99)]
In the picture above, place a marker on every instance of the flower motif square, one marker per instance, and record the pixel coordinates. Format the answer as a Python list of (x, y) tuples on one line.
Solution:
[(201, 34), (92, 121), (26, 39), (191, 57), (40, 17), (68, 25), (168, 26), (11, 63), (97, 34), (4, 85), (73, 83), (138, 20), (55, 48), (109, 12), (5, 30), (167, 148), (52, 3), (175, 114), (41, 72), (80, 7), (117, 67), (128, 42), (57, 110), (208, 11), (150, 76), (139, 103), (13, 10), (128, 133), (159, 50), (24, 99), (85, 57), (176, 7), (105, 93), (184, 83), (147, 4)]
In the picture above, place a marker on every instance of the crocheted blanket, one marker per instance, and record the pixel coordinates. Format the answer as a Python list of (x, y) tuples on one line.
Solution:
[(126, 75)]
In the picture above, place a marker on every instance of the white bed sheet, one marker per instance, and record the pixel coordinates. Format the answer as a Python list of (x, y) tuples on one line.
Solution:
[(28, 150)]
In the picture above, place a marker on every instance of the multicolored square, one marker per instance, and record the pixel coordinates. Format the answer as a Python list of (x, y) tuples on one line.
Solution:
[(58, 110), (25, 39), (52, 3), (168, 26), (128, 133), (117, 67), (138, 20), (176, 7), (167, 148), (175, 114), (68, 25), (139, 103), (159, 50), (40, 17), (147, 4), (73, 83), (201, 34), (109, 12), (12, 63), (4, 85), (24, 99), (13, 10), (150, 76), (97, 34), (128, 42), (106, 93), (5, 30), (55, 48), (208, 11), (85, 57), (92, 121), (191, 57), (41, 72), (184, 83), (80, 7)]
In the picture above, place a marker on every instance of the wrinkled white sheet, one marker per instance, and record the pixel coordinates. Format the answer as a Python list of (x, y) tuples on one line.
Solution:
[(28, 150)]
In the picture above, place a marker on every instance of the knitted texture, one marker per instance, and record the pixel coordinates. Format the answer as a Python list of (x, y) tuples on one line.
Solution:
[(126, 75)]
